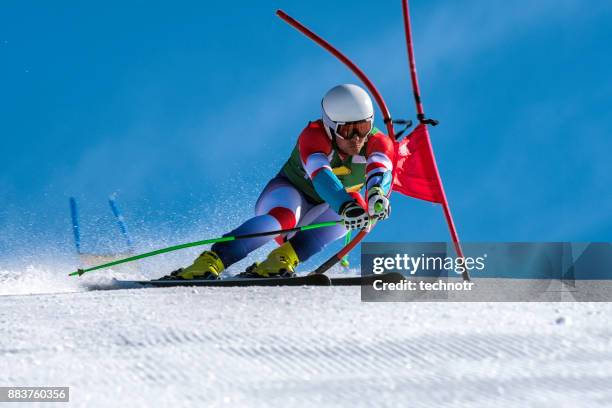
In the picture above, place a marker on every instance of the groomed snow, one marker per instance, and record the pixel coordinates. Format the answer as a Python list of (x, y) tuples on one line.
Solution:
[(303, 347)]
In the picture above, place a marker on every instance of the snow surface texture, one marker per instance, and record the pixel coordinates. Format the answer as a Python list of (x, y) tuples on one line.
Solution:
[(301, 347)]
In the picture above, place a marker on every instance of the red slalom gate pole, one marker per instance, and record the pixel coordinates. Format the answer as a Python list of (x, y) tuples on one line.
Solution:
[(356, 70), (411, 59), (379, 100), (424, 121)]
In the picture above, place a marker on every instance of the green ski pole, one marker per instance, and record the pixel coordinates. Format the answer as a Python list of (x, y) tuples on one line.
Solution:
[(347, 239), (80, 272)]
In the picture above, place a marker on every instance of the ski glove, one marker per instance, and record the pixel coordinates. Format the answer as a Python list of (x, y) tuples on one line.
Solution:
[(354, 216), (378, 204)]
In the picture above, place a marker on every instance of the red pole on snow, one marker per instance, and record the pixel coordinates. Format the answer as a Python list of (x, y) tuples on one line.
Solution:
[(425, 122)]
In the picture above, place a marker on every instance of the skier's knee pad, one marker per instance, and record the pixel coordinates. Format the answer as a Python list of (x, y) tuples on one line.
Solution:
[(285, 217)]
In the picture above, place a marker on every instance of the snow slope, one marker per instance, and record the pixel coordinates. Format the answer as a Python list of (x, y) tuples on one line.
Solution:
[(303, 347)]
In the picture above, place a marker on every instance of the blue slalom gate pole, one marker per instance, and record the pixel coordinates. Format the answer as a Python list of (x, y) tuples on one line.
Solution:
[(74, 215), (120, 221)]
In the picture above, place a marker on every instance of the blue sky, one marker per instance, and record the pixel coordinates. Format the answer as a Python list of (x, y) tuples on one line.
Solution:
[(186, 109)]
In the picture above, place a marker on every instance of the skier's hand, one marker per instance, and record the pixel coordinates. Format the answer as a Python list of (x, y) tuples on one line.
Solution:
[(354, 216), (379, 207)]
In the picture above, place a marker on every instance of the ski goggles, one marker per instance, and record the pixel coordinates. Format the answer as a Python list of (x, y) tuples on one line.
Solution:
[(350, 130)]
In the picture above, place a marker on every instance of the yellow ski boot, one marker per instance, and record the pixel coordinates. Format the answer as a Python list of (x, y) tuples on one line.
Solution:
[(282, 261), (207, 266)]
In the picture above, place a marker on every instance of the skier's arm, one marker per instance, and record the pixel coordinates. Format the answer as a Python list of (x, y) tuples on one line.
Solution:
[(379, 167), (314, 150), (329, 187), (379, 175)]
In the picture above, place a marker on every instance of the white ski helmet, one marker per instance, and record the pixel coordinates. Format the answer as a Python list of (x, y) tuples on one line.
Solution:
[(344, 104)]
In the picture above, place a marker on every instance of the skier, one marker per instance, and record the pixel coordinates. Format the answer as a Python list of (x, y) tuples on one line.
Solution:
[(332, 160)]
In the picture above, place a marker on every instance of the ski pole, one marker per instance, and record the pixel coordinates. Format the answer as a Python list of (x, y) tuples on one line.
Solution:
[(347, 240), (80, 272)]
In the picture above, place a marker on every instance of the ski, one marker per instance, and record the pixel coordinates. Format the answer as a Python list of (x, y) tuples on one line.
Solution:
[(367, 280), (308, 280)]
